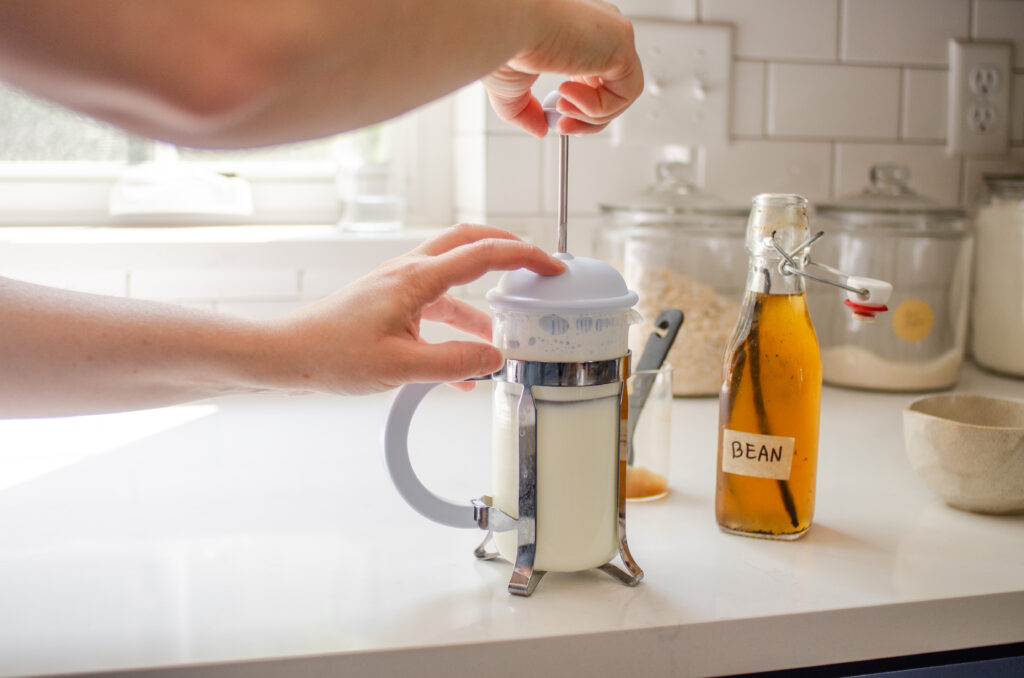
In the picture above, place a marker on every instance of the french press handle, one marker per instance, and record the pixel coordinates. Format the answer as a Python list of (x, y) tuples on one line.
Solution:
[(466, 514)]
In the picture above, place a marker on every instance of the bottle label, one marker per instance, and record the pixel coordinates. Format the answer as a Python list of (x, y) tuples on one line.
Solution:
[(750, 454)]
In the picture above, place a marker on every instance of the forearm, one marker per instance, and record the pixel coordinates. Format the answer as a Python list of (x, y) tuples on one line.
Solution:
[(72, 353), (249, 72)]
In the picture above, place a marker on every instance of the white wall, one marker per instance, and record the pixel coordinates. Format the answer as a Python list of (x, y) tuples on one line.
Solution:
[(822, 89)]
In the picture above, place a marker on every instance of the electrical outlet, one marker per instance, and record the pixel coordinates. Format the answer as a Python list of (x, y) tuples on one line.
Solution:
[(979, 98), (687, 71)]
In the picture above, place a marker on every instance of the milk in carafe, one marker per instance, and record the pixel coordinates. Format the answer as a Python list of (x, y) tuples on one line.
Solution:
[(582, 316), (578, 451)]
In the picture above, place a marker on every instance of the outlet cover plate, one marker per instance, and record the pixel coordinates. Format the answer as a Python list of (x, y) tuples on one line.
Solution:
[(687, 85), (980, 78)]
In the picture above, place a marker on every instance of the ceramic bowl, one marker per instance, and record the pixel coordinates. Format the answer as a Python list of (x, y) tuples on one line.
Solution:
[(969, 450)]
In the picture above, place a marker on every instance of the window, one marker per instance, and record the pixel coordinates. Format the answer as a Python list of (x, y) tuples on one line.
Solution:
[(58, 167)]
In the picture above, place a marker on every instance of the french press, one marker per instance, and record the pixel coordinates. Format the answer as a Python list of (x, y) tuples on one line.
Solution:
[(559, 427), (559, 420)]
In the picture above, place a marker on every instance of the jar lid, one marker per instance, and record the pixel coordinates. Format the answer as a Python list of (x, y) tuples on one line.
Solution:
[(673, 194), (889, 194), (586, 285)]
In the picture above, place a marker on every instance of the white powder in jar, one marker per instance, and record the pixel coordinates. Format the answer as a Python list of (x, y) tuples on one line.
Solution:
[(709, 318), (860, 368)]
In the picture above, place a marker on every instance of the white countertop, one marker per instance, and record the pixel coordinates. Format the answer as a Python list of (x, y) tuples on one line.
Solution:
[(264, 529)]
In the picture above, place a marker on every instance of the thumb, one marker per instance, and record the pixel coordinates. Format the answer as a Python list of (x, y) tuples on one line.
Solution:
[(455, 360)]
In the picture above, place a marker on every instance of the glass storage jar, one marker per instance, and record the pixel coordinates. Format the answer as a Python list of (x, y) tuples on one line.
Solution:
[(680, 248), (997, 325), (924, 248)]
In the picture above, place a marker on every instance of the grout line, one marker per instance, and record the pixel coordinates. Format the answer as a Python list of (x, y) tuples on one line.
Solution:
[(900, 107), (765, 100), (907, 143), (963, 181), (847, 64), (834, 179), (972, 7), (840, 13), (830, 139)]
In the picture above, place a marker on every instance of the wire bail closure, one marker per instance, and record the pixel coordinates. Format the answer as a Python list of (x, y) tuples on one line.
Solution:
[(864, 296)]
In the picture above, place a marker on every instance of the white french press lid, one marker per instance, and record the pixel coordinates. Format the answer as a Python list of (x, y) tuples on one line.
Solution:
[(586, 285)]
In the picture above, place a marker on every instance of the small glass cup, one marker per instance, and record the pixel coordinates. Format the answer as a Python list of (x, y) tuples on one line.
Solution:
[(647, 471)]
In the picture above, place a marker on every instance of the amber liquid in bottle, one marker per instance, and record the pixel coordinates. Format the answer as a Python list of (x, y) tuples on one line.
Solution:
[(771, 386)]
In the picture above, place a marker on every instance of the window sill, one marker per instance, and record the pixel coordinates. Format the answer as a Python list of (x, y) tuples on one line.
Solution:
[(207, 235), (251, 270)]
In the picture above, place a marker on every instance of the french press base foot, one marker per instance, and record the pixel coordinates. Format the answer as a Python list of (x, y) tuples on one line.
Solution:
[(482, 552), (524, 581), (629, 576)]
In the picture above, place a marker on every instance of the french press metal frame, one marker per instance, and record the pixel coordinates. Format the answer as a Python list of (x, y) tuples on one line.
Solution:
[(480, 513), (530, 374)]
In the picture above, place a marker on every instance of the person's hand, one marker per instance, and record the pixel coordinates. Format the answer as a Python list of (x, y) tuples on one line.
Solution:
[(366, 337), (589, 41)]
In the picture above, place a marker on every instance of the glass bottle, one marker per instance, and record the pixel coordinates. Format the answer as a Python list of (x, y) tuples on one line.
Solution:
[(771, 392)]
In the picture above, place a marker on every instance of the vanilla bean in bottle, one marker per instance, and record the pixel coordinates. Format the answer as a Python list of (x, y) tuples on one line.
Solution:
[(771, 392)]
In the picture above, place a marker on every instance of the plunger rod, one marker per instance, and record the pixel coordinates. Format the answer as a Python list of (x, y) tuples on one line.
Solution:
[(563, 191)]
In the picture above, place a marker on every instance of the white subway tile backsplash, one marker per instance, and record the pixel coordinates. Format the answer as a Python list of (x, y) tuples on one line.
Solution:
[(476, 290), (317, 283), (902, 31), (512, 168), (192, 284), (468, 167), (114, 283), (682, 10), (468, 112), (599, 172), (974, 168), (1017, 109), (469, 217), (1001, 20), (932, 173), (924, 104), (811, 100), (779, 29), (541, 230), (748, 83), (746, 168)]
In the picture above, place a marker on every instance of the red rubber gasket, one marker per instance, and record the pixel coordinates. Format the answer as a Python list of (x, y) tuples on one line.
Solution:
[(865, 309)]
